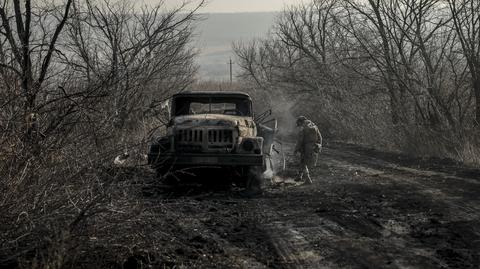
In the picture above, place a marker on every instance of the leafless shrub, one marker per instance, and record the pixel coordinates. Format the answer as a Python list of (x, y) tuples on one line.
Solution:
[(82, 81)]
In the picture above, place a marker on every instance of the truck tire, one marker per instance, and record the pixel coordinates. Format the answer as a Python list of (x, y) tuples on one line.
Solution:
[(254, 181), (164, 173)]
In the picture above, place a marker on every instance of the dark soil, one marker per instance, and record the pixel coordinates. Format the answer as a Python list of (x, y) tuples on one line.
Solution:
[(366, 209)]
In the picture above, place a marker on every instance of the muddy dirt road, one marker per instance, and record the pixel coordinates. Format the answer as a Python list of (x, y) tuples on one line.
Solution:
[(366, 209)]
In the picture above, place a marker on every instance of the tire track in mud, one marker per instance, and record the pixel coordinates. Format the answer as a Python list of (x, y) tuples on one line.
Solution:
[(445, 230), (293, 249), (423, 181), (423, 219), (237, 254), (339, 239), (361, 212)]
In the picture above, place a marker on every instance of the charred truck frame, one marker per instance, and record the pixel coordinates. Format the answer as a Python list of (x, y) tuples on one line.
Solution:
[(212, 129)]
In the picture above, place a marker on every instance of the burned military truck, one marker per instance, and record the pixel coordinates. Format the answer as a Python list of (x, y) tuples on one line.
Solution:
[(212, 130)]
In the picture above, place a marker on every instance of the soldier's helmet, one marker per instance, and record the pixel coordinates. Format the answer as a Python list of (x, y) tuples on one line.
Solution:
[(301, 120)]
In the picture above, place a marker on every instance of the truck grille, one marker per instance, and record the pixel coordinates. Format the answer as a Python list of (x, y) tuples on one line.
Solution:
[(190, 136), (204, 140), (220, 136)]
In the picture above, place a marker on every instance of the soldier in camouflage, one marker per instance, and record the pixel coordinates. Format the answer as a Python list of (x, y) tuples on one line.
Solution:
[(309, 144)]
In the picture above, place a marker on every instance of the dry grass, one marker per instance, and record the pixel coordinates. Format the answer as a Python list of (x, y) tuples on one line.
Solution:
[(47, 200)]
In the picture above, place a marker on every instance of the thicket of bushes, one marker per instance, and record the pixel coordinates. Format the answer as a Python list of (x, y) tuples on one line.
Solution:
[(80, 83), (394, 74)]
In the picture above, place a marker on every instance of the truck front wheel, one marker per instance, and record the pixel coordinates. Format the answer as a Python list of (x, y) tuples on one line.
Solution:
[(254, 180)]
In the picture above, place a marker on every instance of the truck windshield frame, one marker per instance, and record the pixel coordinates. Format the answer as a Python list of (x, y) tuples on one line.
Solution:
[(233, 106)]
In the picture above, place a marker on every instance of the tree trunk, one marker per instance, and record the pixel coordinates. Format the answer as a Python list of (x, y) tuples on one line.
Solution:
[(476, 89), (395, 108)]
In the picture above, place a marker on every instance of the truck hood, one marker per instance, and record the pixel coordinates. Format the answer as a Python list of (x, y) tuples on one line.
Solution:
[(213, 120)]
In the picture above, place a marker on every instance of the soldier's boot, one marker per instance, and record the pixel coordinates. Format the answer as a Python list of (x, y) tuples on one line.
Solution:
[(308, 179), (300, 175)]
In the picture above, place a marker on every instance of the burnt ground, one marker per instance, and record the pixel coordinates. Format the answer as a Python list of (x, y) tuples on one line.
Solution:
[(366, 209)]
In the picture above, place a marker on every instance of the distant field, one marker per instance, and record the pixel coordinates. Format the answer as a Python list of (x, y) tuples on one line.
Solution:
[(217, 32)]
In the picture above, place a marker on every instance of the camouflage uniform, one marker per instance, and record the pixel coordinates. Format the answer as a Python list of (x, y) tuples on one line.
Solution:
[(309, 142)]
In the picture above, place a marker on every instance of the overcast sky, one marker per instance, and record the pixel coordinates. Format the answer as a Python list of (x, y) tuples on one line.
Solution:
[(217, 6)]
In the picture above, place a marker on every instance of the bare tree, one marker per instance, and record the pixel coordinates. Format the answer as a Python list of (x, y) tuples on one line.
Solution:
[(412, 48), (140, 56), (96, 62), (466, 18), (299, 51), (367, 60), (21, 49)]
